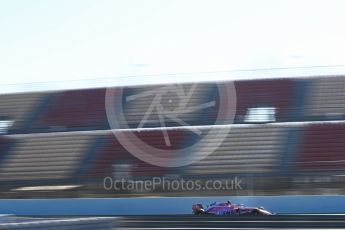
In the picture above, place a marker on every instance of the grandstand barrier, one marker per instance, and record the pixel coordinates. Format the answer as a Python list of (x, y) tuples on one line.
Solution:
[(167, 205)]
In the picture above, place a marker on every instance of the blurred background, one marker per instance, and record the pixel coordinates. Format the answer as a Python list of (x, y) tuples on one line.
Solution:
[(285, 61), (78, 76), (287, 138)]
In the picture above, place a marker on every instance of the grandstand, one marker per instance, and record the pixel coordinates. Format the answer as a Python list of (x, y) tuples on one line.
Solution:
[(62, 138), (253, 149), (322, 148)]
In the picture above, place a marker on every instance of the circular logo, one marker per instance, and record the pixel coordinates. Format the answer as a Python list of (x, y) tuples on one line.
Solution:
[(186, 118)]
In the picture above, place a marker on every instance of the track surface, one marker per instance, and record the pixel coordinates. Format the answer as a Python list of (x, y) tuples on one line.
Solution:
[(209, 222)]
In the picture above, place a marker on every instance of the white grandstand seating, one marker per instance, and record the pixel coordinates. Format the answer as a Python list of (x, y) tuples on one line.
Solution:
[(326, 97), (44, 156), (246, 149), (18, 107)]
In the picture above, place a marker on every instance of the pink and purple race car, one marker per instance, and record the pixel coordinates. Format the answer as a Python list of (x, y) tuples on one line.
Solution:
[(229, 209)]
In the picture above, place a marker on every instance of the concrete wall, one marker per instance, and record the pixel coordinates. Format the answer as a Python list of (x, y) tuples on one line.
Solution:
[(167, 205)]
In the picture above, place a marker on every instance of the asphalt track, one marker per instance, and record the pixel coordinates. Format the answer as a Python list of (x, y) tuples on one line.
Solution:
[(178, 222), (248, 222)]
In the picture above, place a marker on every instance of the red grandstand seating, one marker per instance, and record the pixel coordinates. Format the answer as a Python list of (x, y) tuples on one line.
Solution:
[(190, 103), (75, 109), (114, 153), (323, 147), (155, 138), (278, 93), (85, 109)]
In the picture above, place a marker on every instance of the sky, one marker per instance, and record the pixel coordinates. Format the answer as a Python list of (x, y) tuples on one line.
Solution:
[(65, 42)]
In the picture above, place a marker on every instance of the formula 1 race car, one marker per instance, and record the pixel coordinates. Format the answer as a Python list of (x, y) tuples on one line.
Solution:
[(229, 209)]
